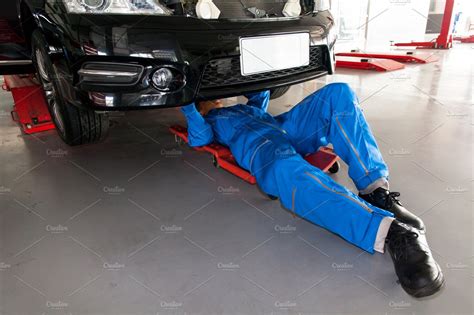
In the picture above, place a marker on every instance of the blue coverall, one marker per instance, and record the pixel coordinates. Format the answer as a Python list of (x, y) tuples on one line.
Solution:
[(272, 149)]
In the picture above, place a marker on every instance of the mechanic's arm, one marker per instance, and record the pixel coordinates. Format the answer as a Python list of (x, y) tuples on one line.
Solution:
[(199, 131), (259, 99)]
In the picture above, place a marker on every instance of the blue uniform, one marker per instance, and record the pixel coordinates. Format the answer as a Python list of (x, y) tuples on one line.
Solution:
[(272, 149)]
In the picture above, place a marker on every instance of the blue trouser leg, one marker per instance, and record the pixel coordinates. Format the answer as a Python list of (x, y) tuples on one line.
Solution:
[(332, 115), (313, 195)]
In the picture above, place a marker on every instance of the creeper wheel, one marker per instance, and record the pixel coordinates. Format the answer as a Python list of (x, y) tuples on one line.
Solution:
[(334, 168), (215, 162)]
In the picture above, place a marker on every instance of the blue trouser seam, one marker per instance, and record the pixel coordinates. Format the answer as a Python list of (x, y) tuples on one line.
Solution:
[(256, 150), (352, 146)]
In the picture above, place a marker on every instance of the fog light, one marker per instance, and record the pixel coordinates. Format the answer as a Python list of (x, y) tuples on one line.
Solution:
[(93, 4), (168, 79), (162, 79)]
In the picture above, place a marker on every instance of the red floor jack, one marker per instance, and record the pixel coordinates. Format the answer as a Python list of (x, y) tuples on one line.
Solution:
[(324, 159), (368, 64), (465, 39), (445, 37), (407, 57), (469, 39), (30, 109)]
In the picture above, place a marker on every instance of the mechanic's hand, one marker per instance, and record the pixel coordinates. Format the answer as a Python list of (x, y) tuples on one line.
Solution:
[(205, 106)]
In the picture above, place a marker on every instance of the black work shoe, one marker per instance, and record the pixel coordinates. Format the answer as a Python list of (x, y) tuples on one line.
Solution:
[(387, 200), (417, 271)]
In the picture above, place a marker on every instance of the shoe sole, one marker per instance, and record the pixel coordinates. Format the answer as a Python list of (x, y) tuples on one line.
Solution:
[(429, 289)]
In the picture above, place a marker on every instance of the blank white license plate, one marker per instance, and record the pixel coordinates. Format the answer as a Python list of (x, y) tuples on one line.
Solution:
[(271, 53)]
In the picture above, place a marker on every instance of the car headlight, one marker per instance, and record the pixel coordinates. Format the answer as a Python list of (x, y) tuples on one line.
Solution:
[(149, 7)]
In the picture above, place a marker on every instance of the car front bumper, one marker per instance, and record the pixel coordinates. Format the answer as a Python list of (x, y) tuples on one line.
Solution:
[(205, 51)]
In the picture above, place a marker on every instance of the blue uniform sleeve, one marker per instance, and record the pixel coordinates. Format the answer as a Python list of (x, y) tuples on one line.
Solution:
[(199, 131), (259, 99)]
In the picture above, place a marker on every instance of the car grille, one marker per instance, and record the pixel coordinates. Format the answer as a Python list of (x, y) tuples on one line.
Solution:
[(226, 71)]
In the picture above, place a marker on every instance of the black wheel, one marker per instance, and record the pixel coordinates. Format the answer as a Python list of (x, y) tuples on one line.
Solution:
[(215, 162), (334, 168), (278, 92), (178, 140), (272, 197), (74, 125)]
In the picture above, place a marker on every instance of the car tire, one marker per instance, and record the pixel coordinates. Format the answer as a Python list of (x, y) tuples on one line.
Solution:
[(75, 125), (278, 92)]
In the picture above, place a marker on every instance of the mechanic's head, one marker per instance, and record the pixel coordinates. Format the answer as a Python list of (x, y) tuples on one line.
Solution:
[(205, 106)]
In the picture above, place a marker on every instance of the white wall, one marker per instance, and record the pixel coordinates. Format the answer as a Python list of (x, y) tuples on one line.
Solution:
[(397, 20), (351, 16)]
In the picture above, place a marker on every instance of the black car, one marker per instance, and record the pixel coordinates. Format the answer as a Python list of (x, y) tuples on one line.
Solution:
[(95, 56)]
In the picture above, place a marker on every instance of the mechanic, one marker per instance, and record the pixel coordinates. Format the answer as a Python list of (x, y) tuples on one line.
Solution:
[(272, 149)]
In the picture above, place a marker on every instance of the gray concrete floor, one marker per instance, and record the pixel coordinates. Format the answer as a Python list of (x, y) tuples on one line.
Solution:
[(138, 225)]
